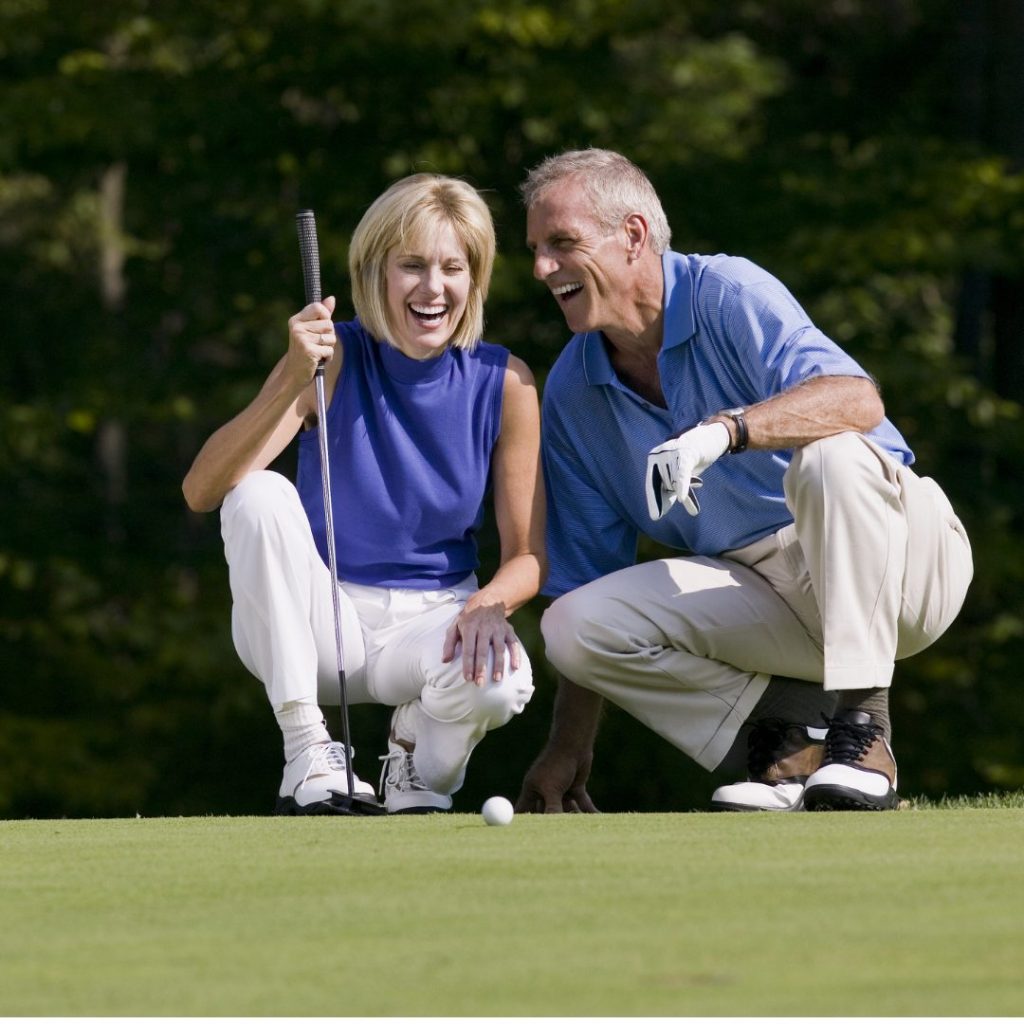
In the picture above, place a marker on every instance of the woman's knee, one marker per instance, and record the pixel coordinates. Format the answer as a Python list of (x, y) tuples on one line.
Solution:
[(261, 487), (258, 496), (451, 698)]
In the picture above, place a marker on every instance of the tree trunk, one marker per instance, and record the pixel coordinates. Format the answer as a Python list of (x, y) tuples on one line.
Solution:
[(111, 438)]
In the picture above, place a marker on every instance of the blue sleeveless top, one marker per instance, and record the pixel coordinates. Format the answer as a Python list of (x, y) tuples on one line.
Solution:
[(410, 444)]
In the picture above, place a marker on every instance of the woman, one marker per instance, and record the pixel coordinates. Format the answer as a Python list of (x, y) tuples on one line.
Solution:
[(422, 418)]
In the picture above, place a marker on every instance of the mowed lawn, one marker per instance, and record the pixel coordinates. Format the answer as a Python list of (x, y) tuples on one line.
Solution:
[(919, 912)]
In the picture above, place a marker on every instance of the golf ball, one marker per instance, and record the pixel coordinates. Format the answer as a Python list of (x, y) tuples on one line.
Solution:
[(497, 811)]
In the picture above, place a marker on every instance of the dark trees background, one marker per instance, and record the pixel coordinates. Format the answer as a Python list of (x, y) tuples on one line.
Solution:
[(152, 157)]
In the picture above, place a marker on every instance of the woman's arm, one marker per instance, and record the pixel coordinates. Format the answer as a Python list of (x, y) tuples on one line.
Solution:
[(519, 510), (263, 429)]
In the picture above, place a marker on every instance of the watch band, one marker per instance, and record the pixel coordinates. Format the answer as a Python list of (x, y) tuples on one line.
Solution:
[(738, 416)]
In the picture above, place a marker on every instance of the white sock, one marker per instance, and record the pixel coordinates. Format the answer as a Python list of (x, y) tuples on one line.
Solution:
[(403, 724), (302, 724)]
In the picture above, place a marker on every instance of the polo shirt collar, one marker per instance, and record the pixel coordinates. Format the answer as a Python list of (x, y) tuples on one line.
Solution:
[(679, 326), (597, 367)]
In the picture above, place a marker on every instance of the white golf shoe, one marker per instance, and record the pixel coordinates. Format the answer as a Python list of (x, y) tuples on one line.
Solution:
[(403, 790), (313, 778), (758, 796), (780, 757)]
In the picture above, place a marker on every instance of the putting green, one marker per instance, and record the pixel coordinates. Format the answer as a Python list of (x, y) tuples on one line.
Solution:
[(913, 913)]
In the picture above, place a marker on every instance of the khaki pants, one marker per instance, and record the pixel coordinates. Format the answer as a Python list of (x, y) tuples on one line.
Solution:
[(874, 568)]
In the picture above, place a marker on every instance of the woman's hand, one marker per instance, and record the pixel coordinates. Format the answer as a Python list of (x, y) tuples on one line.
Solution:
[(311, 338), (482, 629)]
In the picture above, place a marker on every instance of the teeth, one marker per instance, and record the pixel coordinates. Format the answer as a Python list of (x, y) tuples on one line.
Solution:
[(565, 289), (427, 310)]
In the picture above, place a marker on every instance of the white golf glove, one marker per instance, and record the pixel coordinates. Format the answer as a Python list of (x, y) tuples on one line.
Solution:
[(674, 468)]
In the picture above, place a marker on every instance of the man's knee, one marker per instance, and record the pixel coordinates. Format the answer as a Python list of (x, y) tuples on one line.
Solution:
[(830, 464), (568, 627)]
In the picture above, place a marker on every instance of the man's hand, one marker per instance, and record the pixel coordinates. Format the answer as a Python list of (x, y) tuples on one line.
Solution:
[(674, 468), (557, 782)]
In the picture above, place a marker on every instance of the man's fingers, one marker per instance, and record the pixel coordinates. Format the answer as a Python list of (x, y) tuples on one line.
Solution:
[(653, 490), (534, 802), (661, 495), (529, 803), (681, 484)]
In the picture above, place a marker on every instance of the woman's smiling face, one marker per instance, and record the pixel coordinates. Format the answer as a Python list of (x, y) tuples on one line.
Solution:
[(428, 287)]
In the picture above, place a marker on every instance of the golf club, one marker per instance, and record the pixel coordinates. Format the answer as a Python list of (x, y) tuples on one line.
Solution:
[(309, 250)]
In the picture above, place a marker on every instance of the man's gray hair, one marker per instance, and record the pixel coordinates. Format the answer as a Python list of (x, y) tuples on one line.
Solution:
[(614, 186)]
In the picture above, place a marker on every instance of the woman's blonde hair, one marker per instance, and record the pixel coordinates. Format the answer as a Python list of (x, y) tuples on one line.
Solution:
[(407, 214)]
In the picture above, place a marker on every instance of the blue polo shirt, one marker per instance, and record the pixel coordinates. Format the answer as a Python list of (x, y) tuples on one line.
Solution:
[(410, 443), (733, 335)]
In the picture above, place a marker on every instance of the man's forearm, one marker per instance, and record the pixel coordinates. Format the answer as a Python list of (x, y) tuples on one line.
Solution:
[(575, 718), (817, 408)]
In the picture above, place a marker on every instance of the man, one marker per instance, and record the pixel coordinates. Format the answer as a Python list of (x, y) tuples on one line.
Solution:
[(697, 404)]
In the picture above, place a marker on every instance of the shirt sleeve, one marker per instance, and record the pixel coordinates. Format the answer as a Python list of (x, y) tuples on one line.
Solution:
[(775, 340), (586, 536)]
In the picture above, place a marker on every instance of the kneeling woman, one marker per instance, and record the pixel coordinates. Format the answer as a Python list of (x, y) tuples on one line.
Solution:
[(422, 418)]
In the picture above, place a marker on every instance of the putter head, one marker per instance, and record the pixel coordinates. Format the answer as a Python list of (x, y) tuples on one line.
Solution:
[(339, 804), (360, 807)]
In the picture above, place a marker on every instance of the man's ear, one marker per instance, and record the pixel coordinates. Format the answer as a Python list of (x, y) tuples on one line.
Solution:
[(637, 233)]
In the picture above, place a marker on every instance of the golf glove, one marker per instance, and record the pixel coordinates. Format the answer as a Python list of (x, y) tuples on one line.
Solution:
[(674, 468)]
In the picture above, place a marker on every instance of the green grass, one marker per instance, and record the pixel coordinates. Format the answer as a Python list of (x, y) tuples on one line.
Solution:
[(915, 913)]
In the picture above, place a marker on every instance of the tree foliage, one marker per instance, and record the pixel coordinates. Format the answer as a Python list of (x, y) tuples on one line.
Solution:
[(152, 157)]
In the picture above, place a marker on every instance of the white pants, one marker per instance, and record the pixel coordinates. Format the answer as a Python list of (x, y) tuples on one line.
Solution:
[(283, 629), (874, 568)]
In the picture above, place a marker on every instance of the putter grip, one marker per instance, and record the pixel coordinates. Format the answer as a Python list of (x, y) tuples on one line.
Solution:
[(305, 223)]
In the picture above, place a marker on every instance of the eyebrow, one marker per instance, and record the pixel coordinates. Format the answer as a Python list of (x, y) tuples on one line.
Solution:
[(412, 254)]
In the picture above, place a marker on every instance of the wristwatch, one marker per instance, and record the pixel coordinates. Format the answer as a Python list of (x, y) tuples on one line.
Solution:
[(738, 416)]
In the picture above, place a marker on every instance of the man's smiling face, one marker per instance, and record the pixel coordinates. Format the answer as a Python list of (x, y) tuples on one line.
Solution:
[(583, 264)]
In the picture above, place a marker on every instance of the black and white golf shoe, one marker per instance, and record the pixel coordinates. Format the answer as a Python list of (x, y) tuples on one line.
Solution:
[(858, 771)]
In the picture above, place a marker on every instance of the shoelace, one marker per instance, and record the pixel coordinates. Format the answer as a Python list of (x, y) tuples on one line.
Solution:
[(848, 742), (399, 772), (764, 744), (330, 757)]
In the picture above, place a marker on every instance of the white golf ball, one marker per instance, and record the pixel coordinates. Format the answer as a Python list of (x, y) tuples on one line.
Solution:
[(497, 811)]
